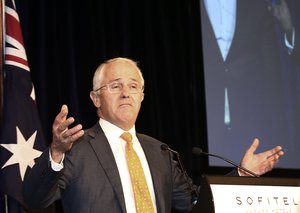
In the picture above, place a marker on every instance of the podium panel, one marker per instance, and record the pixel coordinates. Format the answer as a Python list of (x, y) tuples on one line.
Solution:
[(222, 194)]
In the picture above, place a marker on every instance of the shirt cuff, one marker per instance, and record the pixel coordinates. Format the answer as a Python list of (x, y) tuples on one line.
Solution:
[(56, 166)]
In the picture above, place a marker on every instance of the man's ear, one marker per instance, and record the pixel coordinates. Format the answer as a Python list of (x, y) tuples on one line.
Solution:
[(95, 98), (143, 95)]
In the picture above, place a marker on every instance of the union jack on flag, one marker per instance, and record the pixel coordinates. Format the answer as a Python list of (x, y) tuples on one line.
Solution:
[(21, 138)]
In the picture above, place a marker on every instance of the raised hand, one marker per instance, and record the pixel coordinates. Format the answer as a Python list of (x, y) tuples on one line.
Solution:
[(260, 163), (63, 137)]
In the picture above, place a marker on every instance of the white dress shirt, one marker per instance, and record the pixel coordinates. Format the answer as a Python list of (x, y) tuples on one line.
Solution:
[(117, 145)]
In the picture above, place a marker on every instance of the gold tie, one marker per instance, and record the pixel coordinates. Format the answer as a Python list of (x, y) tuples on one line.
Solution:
[(143, 201)]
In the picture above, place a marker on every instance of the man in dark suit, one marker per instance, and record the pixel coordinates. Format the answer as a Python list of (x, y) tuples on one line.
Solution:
[(243, 78), (88, 169)]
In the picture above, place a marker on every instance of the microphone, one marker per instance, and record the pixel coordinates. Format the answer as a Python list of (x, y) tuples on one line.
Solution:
[(198, 151), (165, 147)]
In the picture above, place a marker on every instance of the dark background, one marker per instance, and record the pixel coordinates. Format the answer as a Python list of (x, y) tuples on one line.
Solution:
[(66, 40)]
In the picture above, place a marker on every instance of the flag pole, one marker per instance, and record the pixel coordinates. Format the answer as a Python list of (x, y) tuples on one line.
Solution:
[(2, 79), (1, 57), (6, 203)]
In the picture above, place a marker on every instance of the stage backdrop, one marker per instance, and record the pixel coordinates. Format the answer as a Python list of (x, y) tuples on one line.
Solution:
[(66, 40)]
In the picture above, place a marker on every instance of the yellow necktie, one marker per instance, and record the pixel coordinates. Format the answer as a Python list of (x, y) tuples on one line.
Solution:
[(143, 201)]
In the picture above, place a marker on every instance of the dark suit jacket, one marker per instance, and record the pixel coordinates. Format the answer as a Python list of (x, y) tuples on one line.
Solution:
[(90, 181), (252, 75)]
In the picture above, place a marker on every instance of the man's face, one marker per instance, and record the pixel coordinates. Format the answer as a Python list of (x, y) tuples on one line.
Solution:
[(120, 108)]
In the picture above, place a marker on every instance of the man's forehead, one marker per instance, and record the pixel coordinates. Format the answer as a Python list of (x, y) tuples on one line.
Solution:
[(122, 69), (123, 79), (121, 65)]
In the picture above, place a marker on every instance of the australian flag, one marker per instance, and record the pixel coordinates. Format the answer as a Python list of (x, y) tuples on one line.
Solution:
[(21, 138)]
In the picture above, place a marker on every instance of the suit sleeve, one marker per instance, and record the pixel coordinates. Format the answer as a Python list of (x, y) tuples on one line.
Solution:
[(182, 195), (40, 186)]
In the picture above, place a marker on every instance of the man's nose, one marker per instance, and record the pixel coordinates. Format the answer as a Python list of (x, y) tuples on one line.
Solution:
[(125, 91)]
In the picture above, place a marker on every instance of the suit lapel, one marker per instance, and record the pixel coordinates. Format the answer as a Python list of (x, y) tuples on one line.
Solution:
[(151, 153), (106, 159)]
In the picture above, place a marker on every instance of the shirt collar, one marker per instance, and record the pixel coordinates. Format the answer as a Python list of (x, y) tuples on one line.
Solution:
[(113, 132)]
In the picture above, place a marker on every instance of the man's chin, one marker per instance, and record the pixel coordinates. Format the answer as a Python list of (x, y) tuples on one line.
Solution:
[(130, 119)]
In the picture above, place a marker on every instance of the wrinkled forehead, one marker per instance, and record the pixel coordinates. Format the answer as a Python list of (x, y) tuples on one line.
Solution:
[(120, 70)]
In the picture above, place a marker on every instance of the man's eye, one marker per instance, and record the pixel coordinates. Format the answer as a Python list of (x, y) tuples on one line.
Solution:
[(133, 86), (115, 86)]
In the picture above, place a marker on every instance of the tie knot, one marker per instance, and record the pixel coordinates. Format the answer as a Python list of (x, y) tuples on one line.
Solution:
[(127, 137)]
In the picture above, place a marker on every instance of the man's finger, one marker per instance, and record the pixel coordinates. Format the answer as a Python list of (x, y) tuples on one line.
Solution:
[(61, 116), (253, 146), (73, 130), (64, 125), (276, 153)]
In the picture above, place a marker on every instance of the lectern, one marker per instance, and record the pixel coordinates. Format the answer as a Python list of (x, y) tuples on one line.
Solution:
[(224, 194)]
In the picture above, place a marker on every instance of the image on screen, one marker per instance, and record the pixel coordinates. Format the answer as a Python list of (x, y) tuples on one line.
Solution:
[(252, 77)]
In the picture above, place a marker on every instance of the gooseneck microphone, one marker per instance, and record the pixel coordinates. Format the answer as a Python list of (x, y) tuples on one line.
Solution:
[(198, 151), (165, 147)]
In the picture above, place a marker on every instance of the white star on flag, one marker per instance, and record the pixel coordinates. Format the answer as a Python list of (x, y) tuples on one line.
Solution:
[(23, 152)]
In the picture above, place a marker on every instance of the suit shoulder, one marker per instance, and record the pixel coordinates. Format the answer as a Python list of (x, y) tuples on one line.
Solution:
[(148, 138), (89, 134)]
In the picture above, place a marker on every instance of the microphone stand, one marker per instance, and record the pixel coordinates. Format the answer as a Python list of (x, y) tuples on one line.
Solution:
[(165, 147), (198, 151)]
